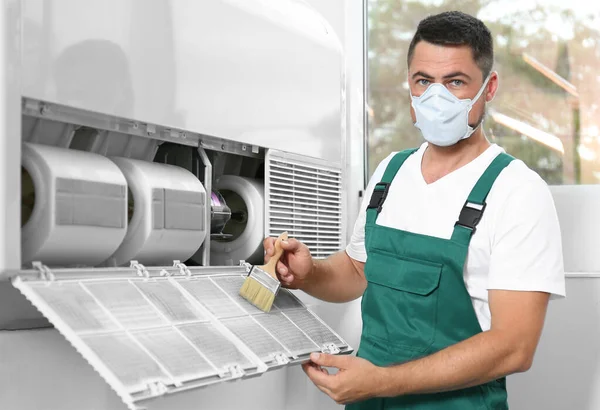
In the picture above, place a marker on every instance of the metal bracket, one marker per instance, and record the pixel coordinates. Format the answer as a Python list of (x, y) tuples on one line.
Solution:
[(208, 177), (45, 272), (247, 266), (281, 359), (182, 268), (330, 348), (236, 371), (140, 269)]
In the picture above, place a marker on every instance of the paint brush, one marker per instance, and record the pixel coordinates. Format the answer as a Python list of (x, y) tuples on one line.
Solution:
[(261, 285)]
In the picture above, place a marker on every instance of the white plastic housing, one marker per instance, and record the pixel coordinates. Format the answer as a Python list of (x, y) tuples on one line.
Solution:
[(168, 216), (80, 211), (261, 72)]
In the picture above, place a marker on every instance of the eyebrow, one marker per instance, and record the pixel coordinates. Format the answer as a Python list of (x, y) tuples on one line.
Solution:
[(456, 74), (447, 76), (421, 74)]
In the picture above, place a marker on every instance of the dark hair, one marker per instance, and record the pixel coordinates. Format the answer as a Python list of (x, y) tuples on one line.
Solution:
[(457, 28)]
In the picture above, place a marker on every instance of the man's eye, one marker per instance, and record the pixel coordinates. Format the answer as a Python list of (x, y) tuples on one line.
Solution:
[(423, 81), (456, 83)]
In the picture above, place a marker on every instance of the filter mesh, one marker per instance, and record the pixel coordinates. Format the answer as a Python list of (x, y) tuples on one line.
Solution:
[(170, 301), (75, 306), (232, 285), (174, 330), (210, 296), (217, 348), (254, 336), (127, 305), (285, 300), (287, 333), (313, 327), (133, 367), (175, 353)]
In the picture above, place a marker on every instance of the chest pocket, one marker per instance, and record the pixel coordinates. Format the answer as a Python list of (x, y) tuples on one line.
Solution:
[(400, 302)]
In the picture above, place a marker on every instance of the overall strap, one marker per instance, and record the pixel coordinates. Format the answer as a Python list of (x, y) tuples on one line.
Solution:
[(381, 189), (473, 209)]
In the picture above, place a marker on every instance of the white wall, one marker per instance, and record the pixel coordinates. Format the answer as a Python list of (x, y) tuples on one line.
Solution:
[(566, 370), (10, 129)]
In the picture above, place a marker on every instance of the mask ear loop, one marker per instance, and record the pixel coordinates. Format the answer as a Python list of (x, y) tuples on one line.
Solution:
[(483, 87), (479, 93)]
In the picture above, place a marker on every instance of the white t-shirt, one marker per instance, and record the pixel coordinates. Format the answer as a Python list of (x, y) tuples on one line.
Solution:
[(517, 244)]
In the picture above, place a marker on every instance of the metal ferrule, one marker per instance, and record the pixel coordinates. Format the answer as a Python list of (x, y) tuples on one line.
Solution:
[(265, 279)]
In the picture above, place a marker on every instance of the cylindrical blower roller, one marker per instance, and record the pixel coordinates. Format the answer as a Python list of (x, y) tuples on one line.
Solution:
[(244, 232), (166, 214), (74, 206)]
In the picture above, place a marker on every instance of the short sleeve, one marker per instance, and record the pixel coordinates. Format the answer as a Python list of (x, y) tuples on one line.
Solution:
[(356, 248), (526, 250)]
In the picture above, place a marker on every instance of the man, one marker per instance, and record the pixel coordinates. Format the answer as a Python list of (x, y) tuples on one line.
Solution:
[(461, 243)]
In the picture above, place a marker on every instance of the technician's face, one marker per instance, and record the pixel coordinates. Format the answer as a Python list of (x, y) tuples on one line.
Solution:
[(455, 68)]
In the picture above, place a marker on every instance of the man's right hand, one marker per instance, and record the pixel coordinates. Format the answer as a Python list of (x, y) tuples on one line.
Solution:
[(295, 265)]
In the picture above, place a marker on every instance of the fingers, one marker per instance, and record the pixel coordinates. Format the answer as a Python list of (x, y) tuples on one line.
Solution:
[(269, 243), (285, 275), (282, 269), (291, 245), (292, 248), (320, 377), (306, 365), (322, 359), (269, 246)]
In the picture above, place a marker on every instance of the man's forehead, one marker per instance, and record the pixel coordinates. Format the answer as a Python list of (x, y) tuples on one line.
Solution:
[(442, 58)]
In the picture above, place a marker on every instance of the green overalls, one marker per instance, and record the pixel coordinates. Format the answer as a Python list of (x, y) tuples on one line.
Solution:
[(416, 302)]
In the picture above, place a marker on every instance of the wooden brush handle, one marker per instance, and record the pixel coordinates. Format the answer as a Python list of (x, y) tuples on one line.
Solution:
[(271, 266)]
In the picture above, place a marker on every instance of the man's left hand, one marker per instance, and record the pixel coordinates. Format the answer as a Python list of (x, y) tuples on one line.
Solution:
[(356, 379)]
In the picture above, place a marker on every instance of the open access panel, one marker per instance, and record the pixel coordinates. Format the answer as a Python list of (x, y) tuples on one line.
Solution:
[(154, 331)]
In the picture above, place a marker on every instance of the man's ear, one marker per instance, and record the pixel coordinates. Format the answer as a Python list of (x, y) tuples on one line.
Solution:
[(492, 87)]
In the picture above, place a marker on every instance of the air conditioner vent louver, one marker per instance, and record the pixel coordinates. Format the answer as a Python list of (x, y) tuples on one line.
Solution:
[(304, 196)]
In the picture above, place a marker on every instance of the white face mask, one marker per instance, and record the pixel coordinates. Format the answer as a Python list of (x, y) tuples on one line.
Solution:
[(442, 117)]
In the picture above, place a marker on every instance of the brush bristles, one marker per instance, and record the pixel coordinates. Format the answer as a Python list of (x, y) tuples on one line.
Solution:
[(257, 294)]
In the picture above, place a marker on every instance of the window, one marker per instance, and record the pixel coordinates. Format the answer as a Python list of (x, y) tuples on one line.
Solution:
[(547, 53)]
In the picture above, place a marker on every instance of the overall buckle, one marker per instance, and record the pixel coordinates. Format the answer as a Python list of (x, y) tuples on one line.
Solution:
[(470, 215), (380, 193)]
